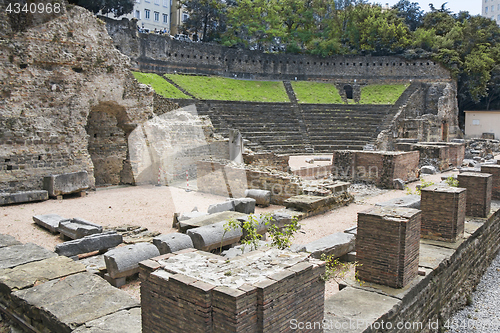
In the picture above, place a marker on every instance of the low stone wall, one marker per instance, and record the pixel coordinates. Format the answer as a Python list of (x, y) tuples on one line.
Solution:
[(446, 154), (378, 167), (268, 159), (277, 288), (224, 179), (314, 172)]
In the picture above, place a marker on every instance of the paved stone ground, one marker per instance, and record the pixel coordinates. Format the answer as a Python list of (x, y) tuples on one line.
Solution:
[(483, 314)]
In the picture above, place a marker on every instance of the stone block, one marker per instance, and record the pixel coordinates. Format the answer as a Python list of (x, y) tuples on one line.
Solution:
[(281, 219), (262, 197), (398, 184), (190, 215), (78, 228), (388, 245), (49, 221), (15, 255), (213, 236), (66, 183), (91, 243), (408, 201), (335, 245), (244, 205), (494, 171), (226, 206), (64, 304), (21, 197), (443, 213), (479, 186), (172, 242), (428, 170), (124, 261), (8, 240), (26, 275), (207, 220), (124, 321)]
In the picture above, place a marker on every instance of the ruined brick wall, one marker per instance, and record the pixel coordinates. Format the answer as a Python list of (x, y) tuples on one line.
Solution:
[(267, 159), (494, 171), (226, 179), (377, 167), (443, 155), (479, 190), (187, 302), (54, 74), (155, 53)]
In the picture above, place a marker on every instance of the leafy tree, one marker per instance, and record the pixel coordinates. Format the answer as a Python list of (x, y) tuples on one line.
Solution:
[(207, 17), (410, 12), (116, 7)]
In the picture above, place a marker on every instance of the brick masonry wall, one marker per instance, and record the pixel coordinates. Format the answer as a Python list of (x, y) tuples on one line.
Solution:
[(478, 185), (446, 289), (493, 170), (217, 178), (180, 303), (268, 159), (443, 212), (378, 167), (387, 245)]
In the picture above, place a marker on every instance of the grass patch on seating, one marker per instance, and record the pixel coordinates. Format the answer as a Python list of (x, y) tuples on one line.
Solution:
[(382, 94), (226, 89), (160, 85), (316, 92)]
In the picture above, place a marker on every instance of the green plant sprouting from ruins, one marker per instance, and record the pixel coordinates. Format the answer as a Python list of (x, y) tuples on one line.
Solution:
[(418, 190), (337, 270), (281, 237), (452, 181)]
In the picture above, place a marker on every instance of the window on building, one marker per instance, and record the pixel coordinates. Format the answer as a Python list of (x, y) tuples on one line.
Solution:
[(137, 1), (486, 10), (184, 17), (157, 2), (157, 17), (166, 3), (475, 122), (147, 0), (138, 14), (165, 18), (147, 14), (492, 8), (498, 18)]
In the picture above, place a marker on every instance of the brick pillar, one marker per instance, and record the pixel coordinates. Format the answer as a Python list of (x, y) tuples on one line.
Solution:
[(443, 212), (387, 245), (478, 187), (494, 170)]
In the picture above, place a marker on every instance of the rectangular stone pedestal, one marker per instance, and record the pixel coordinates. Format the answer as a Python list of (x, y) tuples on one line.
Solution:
[(387, 245), (478, 187), (493, 170), (443, 212)]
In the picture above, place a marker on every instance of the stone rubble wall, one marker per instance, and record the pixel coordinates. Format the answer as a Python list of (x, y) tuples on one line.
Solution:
[(226, 179), (267, 159)]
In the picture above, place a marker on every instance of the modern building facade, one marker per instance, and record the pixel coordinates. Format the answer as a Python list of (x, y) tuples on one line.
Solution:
[(491, 9), (479, 122), (152, 14)]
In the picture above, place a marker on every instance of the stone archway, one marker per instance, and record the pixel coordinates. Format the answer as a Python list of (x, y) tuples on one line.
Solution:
[(348, 91), (108, 129)]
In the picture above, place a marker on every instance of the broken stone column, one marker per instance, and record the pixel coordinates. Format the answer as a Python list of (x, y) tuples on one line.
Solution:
[(124, 261), (235, 146), (172, 242), (95, 242), (443, 212), (244, 205), (213, 236), (78, 228), (335, 245), (494, 170), (478, 185), (20, 197), (387, 245), (262, 197), (226, 206)]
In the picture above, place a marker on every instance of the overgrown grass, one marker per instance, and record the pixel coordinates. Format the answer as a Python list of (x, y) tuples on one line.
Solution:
[(219, 88), (382, 94), (316, 92), (160, 85)]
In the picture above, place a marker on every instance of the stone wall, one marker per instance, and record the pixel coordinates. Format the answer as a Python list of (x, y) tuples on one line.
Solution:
[(443, 155), (155, 53), (269, 289), (228, 179), (61, 78), (267, 159), (377, 167)]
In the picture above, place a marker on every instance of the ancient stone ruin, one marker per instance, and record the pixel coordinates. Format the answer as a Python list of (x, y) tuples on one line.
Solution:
[(74, 120)]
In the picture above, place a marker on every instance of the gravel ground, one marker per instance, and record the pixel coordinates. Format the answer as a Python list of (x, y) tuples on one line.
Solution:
[(483, 315)]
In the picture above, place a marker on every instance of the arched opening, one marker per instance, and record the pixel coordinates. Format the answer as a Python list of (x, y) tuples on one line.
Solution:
[(348, 91), (108, 132)]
